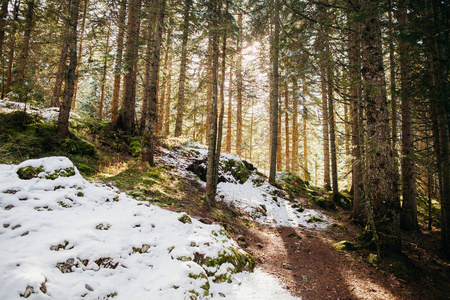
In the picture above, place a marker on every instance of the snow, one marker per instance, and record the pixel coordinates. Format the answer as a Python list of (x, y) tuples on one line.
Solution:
[(259, 200), (69, 238), (48, 114)]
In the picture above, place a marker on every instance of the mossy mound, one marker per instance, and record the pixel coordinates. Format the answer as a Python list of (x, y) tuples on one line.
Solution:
[(295, 186), (344, 245)]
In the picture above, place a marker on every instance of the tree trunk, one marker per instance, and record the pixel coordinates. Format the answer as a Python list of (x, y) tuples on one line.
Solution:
[(182, 79), (306, 175), (441, 115), (128, 109), (381, 188), (229, 112), (239, 86), (155, 29), (12, 46), (211, 165), (286, 126), (392, 79), (209, 91), (168, 93), (358, 212), (294, 160), (3, 14), (61, 69), (23, 59), (64, 111), (80, 51), (274, 52), (118, 61), (103, 82), (334, 173), (279, 150), (408, 216), (326, 142)]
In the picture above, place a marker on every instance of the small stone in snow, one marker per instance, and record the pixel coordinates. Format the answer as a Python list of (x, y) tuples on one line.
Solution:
[(222, 295), (88, 287)]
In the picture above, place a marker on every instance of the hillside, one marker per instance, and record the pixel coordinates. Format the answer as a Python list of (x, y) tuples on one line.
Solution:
[(130, 231)]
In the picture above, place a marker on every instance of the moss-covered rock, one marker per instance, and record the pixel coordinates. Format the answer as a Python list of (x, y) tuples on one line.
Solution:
[(185, 219), (344, 245), (29, 172)]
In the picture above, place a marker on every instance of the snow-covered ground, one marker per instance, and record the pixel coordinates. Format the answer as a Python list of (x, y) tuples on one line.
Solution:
[(63, 237), (261, 201)]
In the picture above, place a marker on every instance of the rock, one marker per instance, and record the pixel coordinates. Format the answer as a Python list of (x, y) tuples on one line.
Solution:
[(88, 287), (288, 266), (28, 291), (260, 246)]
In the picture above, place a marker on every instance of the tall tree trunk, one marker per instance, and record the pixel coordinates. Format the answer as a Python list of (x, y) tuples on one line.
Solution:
[(294, 160), (438, 73), (358, 212), (12, 46), (380, 188), (222, 106), (118, 61), (209, 91), (64, 111), (286, 126), (80, 51), (155, 30), (326, 142), (23, 59), (229, 112), (128, 108), (239, 86), (334, 173), (103, 82), (392, 79), (306, 175), (61, 69), (182, 79), (3, 14), (168, 93), (274, 52), (279, 149), (212, 140), (408, 216)]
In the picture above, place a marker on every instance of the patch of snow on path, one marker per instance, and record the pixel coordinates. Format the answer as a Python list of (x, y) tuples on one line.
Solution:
[(68, 238)]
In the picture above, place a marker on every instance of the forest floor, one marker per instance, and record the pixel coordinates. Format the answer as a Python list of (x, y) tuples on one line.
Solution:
[(308, 266)]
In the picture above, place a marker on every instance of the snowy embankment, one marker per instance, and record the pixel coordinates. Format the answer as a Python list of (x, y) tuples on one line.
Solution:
[(63, 237), (259, 200)]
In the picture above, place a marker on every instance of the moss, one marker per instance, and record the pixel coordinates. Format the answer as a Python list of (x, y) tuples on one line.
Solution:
[(238, 169), (298, 207), (344, 245), (29, 172), (314, 219), (185, 219), (67, 172), (372, 259)]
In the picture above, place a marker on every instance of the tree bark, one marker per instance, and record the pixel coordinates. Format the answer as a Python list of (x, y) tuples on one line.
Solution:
[(3, 14), (127, 113), (274, 49), (182, 79), (408, 215), (103, 82), (155, 29), (23, 59), (358, 212), (64, 111), (380, 188), (61, 69), (306, 175), (286, 127), (229, 112), (80, 51), (211, 165), (239, 86), (279, 149), (118, 61), (12, 46), (334, 172), (294, 159)]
